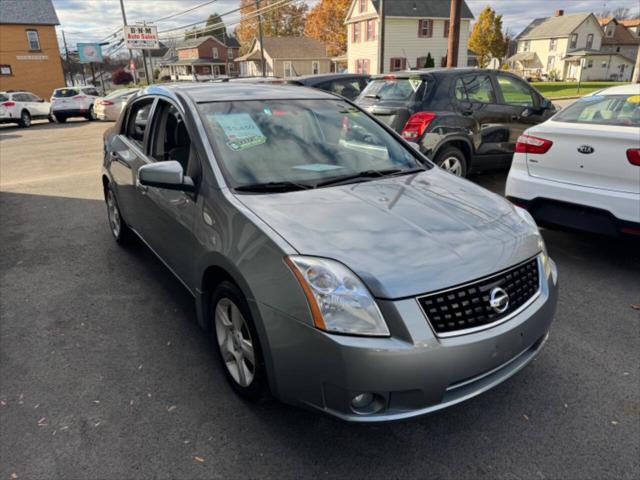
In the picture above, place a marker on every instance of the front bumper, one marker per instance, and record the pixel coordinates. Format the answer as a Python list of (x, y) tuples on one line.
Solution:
[(413, 372)]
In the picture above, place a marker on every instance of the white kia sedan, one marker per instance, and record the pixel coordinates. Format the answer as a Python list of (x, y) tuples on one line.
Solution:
[(581, 168)]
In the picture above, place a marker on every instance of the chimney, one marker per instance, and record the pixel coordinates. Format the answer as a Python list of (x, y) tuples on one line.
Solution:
[(559, 13)]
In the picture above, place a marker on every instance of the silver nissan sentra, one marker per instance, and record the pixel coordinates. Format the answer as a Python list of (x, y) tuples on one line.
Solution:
[(332, 264)]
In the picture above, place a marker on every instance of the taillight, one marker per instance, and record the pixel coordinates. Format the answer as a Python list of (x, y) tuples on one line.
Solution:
[(79, 97), (8, 104), (633, 155), (417, 125), (529, 144)]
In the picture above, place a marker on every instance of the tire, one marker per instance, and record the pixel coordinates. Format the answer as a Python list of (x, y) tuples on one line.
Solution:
[(452, 160), (59, 118), (51, 118), (234, 334), (119, 229), (91, 116), (25, 119)]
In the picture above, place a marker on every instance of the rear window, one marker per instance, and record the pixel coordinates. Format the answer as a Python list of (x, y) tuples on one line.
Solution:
[(3, 98), (392, 88), (622, 110), (65, 92)]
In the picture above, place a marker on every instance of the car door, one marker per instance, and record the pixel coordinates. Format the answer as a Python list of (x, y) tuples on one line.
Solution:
[(521, 105), (37, 106), (168, 216), (126, 154), (476, 97)]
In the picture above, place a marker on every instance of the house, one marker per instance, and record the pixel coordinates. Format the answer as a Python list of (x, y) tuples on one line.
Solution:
[(201, 58), (413, 29), (29, 52), (619, 39), (568, 47), (633, 25), (286, 57)]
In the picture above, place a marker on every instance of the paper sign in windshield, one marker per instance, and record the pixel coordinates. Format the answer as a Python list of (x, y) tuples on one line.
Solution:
[(633, 99), (241, 131)]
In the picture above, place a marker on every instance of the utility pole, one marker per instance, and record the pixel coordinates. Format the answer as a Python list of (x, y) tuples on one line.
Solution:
[(144, 62), (124, 19), (264, 66), (66, 51), (454, 33), (382, 28)]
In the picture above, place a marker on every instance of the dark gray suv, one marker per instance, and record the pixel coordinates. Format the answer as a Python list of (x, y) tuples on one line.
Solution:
[(330, 262)]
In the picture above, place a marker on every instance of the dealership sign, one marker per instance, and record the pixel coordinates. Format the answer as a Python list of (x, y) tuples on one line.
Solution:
[(141, 37), (90, 52)]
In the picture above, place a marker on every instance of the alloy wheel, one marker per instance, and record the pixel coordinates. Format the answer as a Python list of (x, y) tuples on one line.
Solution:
[(25, 119), (452, 165), (115, 221), (235, 342)]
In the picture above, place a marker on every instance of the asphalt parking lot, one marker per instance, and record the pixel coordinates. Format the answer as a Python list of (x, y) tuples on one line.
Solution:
[(105, 374)]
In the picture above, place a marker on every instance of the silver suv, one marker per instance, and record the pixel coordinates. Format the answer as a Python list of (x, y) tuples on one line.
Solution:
[(332, 264)]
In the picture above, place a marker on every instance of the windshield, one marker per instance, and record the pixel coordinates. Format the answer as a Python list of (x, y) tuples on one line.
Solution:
[(390, 88), (306, 142), (621, 110), (65, 92)]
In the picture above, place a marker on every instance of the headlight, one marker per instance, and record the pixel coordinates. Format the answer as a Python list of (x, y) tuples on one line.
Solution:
[(546, 261), (338, 299)]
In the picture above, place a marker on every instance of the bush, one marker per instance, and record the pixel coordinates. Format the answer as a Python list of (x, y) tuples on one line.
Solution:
[(121, 77), (430, 62)]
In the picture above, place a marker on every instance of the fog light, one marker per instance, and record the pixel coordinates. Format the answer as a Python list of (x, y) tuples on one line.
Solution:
[(362, 400)]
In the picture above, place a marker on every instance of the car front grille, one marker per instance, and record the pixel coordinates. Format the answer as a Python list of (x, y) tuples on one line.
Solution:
[(468, 307)]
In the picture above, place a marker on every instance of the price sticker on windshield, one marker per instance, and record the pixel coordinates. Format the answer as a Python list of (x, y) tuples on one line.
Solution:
[(241, 131), (633, 99)]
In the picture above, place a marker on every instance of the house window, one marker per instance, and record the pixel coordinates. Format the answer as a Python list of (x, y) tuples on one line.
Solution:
[(605, 64), (362, 6), (356, 33), (590, 64), (421, 62), (315, 67), (526, 45), (371, 29), (5, 70), (443, 61), (398, 64), (229, 52), (573, 43), (34, 40), (425, 28), (288, 71), (447, 25), (362, 66), (216, 54), (551, 61), (590, 41), (553, 44)]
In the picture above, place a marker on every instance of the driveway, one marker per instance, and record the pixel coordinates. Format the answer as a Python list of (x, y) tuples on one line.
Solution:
[(105, 374)]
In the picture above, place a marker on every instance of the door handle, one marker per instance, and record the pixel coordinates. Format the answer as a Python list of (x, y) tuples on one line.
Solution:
[(143, 188)]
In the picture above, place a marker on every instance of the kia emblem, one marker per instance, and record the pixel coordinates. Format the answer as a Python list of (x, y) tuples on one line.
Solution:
[(586, 149)]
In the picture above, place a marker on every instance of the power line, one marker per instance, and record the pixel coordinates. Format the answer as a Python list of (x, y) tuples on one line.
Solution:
[(162, 19)]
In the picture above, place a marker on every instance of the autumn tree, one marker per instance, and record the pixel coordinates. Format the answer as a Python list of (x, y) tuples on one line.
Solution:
[(285, 20), (487, 40), (325, 22), (214, 26)]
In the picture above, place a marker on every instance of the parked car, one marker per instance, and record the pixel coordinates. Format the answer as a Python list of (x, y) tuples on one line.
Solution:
[(22, 107), (464, 119), (581, 168), (108, 108), (331, 263), (74, 102), (345, 84)]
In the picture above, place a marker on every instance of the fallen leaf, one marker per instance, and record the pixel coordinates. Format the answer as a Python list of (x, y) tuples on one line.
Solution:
[(613, 422), (3, 403), (13, 476), (140, 367), (625, 373), (168, 344), (566, 406), (96, 401), (525, 417), (36, 405), (42, 422), (636, 306), (97, 424), (198, 459), (131, 402), (64, 428), (171, 408)]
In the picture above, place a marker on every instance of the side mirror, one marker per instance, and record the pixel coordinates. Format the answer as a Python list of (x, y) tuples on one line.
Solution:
[(546, 104), (168, 175)]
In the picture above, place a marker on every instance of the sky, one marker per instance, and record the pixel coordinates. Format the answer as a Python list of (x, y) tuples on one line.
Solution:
[(94, 20)]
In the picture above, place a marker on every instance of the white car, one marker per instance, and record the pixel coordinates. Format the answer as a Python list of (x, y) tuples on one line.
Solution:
[(108, 108), (22, 108), (581, 168), (74, 102)]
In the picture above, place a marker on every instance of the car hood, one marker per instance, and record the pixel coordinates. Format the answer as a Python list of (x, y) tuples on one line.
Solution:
[(404, 235)]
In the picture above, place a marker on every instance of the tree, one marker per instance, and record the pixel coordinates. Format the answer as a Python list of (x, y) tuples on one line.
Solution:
[(429, 62), (325, 22), (486, 39), (121, 77), (282, 21), (218, 29)]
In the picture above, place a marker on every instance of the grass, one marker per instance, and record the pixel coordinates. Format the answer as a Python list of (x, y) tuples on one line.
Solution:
[(566, 89)]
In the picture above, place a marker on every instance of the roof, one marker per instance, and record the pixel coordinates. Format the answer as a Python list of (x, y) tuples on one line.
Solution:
[(553, 27), (632, 22), (522, 57), (229, 41), (237, 91), (621, 36), (292, 47), (28, 12), (420, 9)]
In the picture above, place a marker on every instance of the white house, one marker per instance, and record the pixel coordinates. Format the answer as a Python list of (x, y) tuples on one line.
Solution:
[(569, 47), (413, 29)]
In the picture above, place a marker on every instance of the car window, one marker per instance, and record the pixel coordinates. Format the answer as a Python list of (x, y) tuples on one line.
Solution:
[(171, 138), (476, 88), (392, 88), (91, 91), (622, 110), (347, 88), (19, 97), (516, 92), (304, 141), (32, 98), (65, 92), (3, 98), (138, 120)]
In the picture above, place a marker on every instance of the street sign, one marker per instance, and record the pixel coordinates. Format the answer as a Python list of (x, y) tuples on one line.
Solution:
[(90, 52), (138, 37)]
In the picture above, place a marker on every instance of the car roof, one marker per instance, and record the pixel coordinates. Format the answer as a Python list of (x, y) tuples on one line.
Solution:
[(225, 92), (423, 72), (314, 79), (627, 89)]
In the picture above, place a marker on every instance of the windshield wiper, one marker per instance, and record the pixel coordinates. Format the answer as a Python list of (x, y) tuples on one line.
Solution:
[(390, 172), (273, 187)]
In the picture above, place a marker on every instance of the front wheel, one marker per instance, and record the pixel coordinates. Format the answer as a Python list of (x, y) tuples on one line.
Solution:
[(25, 119), (236, 337), (452, 160)]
